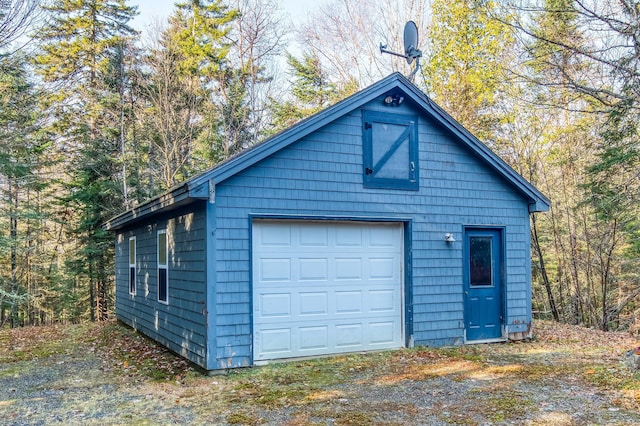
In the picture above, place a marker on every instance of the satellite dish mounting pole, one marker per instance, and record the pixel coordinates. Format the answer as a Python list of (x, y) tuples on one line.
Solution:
[(411, 51), (415, 70), (383, 49)]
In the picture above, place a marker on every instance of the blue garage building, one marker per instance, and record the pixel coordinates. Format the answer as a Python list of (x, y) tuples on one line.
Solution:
[(377, 223)]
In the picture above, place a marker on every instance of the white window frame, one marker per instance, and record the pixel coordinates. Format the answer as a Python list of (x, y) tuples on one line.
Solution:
[(133, 284), (163, 266)]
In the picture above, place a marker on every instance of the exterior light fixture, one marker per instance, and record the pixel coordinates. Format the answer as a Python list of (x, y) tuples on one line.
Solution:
[(449, 238), (393, 100)]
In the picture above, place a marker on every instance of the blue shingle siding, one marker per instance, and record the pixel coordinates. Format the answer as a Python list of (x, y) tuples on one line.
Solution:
[(321, 176), (315, 170), (180, 324)]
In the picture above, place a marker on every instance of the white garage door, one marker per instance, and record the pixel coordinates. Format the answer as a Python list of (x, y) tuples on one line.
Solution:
[(326, 287)]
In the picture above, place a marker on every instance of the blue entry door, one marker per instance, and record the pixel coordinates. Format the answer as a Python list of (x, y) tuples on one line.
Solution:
[(483, 284)]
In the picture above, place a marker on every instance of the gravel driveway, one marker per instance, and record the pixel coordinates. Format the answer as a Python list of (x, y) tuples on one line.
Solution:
[(556, 379)]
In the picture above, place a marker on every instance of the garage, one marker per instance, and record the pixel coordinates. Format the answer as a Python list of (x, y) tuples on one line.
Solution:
[(367, 226), (325, 287)]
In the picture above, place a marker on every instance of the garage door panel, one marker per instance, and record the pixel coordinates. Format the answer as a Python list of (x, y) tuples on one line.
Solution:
[(382, 268), (339, 337), (382, 237), (275, 270), (348, 302), (314, 237), (314, 303), (349, 335), (275, 237), (276, 341), (354, 299), (313, 269), (349, 237), (382, 332), (314, 338), (382, 301), (274, 305), (322, 288), (348, 268)]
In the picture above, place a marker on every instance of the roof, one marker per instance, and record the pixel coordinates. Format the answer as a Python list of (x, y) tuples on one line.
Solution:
[(198, 186)]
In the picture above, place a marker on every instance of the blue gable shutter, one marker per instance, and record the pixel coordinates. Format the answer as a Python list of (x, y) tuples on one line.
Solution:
[(390, 151)]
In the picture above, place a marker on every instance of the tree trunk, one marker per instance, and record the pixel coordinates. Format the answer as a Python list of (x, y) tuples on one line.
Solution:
[(543, 270), (92, 293), (606, 277), (102, 289), (13, 236)]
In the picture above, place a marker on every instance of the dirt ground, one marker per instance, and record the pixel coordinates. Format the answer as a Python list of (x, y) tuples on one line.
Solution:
[(106, 374)]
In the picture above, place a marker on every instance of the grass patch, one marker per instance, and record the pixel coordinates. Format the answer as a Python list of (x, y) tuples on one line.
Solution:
[(466, 353), (240, 418), (507, 404), (13, 371), (613, 378), (533, 372), (354, 418), (621, 379), (496, 404), (295, 383), (133, 354), (343, 417), (29, 343)]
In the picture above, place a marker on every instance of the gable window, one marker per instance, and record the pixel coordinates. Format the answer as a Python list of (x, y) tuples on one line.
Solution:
[(390, 150), (163, 282), (132, 266)]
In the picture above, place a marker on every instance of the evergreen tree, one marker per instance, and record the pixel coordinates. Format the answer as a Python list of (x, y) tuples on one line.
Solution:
[(581, 254), (613, 191), (78, 44), (613, 183), (233, 130), (464, 66), (20, 159), (200, 28), (172, 118), (311, 89), (183, 88)]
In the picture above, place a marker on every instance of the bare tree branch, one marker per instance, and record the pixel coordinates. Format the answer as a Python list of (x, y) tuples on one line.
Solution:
[(610, 45), (16, 19)]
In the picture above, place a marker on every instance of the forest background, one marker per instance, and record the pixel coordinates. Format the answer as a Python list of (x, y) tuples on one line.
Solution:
[(95, 120)]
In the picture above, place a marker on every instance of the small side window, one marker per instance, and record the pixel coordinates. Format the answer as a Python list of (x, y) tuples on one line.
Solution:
[(390, 148), (163, 278), (132, 266), (481, 261)]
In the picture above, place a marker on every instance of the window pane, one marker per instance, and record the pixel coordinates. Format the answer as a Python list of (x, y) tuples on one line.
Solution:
[(162, 285), (480, 261), (132, 251), (162, 248), (390, 150), (385, 138), (132, 280)]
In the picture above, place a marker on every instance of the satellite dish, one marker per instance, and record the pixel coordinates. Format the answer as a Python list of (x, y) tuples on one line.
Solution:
[(411, 50), (410, 41)]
